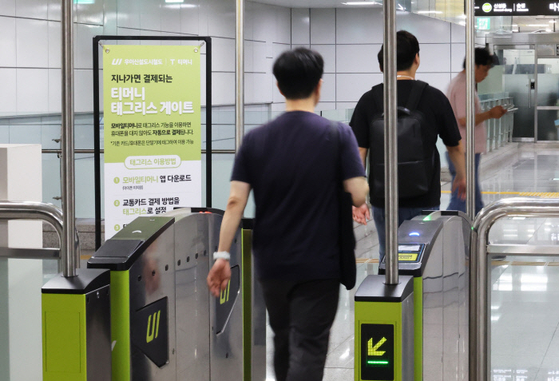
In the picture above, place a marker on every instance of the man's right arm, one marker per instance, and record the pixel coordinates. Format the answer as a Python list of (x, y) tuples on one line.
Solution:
[(495, 113), (458, 158), (220, 273)]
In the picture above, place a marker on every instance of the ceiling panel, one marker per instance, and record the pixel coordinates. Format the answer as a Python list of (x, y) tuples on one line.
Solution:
[(449, 10)]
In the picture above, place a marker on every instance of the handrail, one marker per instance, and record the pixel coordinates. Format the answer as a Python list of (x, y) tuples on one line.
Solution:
[(28, 210), (479, 276)]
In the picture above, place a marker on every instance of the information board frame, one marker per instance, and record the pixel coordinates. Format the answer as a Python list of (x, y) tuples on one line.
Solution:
[(97, 46)]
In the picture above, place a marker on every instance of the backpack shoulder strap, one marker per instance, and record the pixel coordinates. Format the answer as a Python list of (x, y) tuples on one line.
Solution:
[(378, 97), (415, 94)]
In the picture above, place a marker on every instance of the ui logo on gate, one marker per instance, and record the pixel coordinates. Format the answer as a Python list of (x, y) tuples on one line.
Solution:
[(153, 328), (149, 331)]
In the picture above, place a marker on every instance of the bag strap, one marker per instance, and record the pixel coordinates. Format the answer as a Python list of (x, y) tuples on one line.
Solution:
[(413, 100), (415, 95), (378, 97)]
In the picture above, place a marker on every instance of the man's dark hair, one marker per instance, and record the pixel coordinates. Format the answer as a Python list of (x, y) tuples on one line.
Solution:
[(482, 57), (298, 72), (407, 49)]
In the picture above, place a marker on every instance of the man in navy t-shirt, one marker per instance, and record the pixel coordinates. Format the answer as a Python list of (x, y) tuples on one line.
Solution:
[(294, 165)]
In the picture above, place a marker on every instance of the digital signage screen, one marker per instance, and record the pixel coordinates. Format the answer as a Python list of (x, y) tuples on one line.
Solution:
[(515, 8)]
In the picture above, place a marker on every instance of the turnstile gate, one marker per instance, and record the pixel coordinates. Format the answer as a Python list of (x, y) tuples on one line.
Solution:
[(434, 250), (165, 325)]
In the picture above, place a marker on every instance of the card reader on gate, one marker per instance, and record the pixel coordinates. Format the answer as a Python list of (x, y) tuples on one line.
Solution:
[(410, 252), (415, 241)]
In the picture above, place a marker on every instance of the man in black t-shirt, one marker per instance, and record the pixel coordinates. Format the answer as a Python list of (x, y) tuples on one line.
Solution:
[(439, 122), (291, 165)]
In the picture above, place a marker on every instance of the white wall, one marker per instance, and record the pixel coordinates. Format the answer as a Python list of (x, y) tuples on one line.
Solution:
[(30, 29), (349, 40)]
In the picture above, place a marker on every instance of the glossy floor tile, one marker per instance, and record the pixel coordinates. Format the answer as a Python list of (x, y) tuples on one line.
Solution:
[(524, 289)]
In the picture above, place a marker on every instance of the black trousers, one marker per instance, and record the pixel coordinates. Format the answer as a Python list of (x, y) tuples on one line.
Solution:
[(301, 315)]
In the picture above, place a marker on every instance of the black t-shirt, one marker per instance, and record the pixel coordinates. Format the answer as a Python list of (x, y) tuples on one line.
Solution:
[(438, 115), (291, 166)]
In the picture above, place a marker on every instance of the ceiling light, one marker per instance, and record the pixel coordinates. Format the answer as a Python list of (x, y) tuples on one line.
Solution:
[(538, 25), (429, 12), (174, 1), (361, 3)]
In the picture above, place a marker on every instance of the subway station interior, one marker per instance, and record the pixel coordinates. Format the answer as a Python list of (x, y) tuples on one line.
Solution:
[(489, 280)]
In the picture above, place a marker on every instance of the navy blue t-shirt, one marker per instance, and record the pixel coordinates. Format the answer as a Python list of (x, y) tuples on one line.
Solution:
[(291, 165)]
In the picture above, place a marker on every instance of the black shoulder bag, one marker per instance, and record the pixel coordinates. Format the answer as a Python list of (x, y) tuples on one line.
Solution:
[(348, 271)]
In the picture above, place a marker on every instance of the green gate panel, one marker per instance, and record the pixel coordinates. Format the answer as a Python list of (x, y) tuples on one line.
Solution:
[(120, 325), (418, 327), (64, 337)]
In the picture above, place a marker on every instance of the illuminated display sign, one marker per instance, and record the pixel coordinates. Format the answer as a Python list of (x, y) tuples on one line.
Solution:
[(408, 257), (409, 253), (377, 352), (514, 8)]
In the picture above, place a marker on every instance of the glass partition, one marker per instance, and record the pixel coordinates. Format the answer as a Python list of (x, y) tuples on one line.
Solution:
[(518, 71), (20, 316), (45, 130), (524, 318), (548, 98)]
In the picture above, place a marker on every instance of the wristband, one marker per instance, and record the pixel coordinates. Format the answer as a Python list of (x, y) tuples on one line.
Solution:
[(222, 255)]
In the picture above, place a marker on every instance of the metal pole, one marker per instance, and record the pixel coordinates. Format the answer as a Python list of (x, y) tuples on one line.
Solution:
[(477, 265), (28, 210), (479, 322), (209, 149), (470, 110), (71, 262), (240, 76), (390, 142), (96, 142)]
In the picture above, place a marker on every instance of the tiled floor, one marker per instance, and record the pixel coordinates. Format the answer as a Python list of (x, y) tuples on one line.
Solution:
[(525, 295)]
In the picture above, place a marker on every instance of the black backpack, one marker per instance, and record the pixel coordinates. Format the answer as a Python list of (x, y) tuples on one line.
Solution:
[(415, 160)]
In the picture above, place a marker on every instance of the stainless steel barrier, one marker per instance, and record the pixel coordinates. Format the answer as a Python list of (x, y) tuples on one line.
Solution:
[(27, 210), (479, 341)]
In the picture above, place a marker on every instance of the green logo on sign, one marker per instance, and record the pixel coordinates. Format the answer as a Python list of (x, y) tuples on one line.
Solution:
[(116, 180), (117, 203), (487, 7), (117, 228), (153, 327)]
